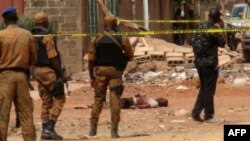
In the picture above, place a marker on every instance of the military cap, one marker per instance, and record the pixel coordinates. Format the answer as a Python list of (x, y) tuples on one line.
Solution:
[(8, 10), (41, 17)]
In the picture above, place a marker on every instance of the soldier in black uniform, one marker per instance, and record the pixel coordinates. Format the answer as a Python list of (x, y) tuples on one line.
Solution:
[(207, 67)]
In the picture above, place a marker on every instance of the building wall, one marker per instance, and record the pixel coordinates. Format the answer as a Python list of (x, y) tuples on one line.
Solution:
[(68, 16), (19, 4), (71, 16), (158, 10)]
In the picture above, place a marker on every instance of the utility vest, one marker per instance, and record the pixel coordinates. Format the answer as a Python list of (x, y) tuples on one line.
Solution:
[(108, 53), (42, 56)]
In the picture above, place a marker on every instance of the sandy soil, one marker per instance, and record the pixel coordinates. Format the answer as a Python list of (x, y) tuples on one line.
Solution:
[(159, 124)]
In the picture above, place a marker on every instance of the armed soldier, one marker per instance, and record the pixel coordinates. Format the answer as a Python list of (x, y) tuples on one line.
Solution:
[(108, 56), (18, 52), (50, 77)]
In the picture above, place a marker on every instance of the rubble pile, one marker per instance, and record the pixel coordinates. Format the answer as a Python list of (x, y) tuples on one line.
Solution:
[(160, 77), (236, 76), (157, 61), (152, 54), (148, 49)]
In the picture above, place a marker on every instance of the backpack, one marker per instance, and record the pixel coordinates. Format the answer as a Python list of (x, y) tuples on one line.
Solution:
[(201, 41)]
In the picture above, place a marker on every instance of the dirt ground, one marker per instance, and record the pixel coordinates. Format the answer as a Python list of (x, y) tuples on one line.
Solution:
[(160, 124)]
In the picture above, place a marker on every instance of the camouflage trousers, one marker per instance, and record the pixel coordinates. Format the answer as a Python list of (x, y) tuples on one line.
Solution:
[(107, 77), (14, 87), (51, 106)]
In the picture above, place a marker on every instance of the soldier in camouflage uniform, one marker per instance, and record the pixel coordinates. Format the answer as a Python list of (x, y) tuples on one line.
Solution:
[(107, 55), (207, 67), (18, 52), (48, 72)]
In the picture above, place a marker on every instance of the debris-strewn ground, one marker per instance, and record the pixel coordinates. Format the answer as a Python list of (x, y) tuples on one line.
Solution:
[(160, 124)]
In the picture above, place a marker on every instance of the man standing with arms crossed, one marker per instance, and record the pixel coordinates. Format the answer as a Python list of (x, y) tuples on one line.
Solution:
[(50, 76), (18, 52), (108, 56)]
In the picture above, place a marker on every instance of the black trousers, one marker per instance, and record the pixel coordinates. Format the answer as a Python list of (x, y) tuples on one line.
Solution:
[(205, 100), (179, 39)]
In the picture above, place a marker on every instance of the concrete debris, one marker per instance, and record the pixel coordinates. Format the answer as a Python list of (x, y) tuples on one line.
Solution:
[(221, 80), (179, 69), (160, 65), (163, 77), (224, 59), (182, 88), (159, 77), (157, 61), (131, 67), (145, 67), (147, 49), (152, 75), (240, 81)]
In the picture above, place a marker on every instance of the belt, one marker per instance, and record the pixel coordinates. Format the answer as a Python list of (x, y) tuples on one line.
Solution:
[(23, 70), (41, 65)]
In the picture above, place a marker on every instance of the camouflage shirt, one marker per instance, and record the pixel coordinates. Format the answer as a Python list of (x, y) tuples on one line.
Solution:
[(210, 56)]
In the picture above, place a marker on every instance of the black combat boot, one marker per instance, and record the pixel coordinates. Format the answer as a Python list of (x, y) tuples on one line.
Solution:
[(93, 129), (48, 132), (114, 131)]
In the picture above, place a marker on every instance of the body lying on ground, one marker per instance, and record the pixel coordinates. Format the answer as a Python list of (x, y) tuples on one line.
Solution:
[(143, 102)]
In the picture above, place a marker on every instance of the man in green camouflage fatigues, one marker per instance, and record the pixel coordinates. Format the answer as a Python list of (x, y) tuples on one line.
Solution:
[(18, 52), (107, 56)]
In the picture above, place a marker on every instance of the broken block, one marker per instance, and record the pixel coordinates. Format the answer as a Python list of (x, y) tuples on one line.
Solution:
[(139, 53), (183, 49), (189, 58), (144, 49), (164, 49), (175, 61), (174, 54), (224, 59), (143, 59), (189, 55), (157, 55)]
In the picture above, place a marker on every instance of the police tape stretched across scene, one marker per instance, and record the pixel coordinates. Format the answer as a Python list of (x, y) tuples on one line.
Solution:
[(162, 32)]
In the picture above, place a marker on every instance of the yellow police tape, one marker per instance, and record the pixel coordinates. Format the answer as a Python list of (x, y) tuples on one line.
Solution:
[(163, 32), (177, 21), (160, 21)]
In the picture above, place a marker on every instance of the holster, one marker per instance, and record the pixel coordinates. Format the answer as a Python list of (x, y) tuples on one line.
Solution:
[(58, 89), (118, 89)]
